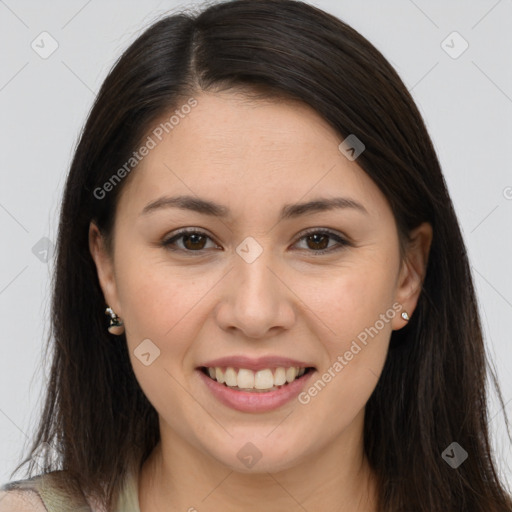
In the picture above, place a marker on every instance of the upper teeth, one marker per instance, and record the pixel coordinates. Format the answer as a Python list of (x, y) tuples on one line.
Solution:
[(262, 379)]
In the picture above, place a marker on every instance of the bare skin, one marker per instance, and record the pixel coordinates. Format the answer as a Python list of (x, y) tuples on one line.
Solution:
[(194, 304)]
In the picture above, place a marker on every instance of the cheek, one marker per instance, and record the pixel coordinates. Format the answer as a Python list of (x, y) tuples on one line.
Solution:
[(356, 306), (353, 296), (359, 328), (159, 299), (162, 310)]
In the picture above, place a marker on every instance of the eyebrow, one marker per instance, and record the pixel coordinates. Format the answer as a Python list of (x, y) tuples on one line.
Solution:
[(288, 211)]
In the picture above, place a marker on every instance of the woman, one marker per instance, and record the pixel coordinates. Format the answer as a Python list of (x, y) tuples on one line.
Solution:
[(256, 205)]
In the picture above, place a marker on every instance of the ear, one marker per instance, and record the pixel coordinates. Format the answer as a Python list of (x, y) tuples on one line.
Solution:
[(412, 272), (104, 267)]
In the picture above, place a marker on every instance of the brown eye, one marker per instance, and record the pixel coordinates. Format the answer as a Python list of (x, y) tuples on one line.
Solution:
[(318, 242), (188, 241), (193, 242)]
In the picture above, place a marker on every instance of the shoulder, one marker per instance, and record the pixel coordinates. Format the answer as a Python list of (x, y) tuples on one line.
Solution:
[(41, 493), (20, 500)]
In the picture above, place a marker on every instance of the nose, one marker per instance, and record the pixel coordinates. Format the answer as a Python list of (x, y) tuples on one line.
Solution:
[(256, 300)]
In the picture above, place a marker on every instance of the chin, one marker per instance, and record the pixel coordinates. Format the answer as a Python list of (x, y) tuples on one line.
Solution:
[(257, 454)]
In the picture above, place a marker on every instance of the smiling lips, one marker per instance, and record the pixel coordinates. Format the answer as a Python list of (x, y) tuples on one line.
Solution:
[(253, 400), (255, 385)]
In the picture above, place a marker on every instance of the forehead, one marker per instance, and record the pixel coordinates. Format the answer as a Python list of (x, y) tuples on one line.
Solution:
[(232, 149), (230, 126)]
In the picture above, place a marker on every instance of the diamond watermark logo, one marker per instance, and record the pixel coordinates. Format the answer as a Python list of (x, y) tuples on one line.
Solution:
[(44, 450), (454, 455), (249, 250), (454, 45), (352, 147), (147, 352), (249, 455), (43, 249), (44, 45)]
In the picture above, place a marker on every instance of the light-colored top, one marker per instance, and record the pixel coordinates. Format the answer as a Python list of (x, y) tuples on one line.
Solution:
[(129, 497), (43, 493)]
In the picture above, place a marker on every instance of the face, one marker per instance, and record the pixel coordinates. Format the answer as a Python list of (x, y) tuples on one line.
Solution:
[(294, 304)]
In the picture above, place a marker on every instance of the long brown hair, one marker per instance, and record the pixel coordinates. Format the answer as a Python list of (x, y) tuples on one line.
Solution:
[(432, 391)]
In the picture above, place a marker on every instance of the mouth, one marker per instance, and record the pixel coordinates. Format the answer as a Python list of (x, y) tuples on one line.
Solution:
[(255, 391), (261, 381)]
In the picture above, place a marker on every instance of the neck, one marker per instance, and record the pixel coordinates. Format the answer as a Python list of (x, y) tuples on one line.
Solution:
[(177, 476)]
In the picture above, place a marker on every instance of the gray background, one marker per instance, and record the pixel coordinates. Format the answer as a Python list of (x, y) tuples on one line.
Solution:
[(466, 102)]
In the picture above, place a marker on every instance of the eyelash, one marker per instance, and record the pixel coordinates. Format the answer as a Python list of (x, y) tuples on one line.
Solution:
[(315, 231)]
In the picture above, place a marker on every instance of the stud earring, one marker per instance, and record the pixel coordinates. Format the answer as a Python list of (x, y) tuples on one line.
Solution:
[(405, 316), (116, 324)]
